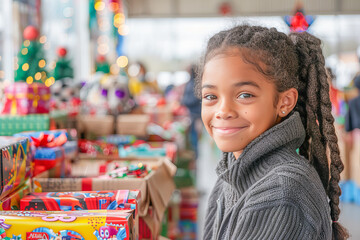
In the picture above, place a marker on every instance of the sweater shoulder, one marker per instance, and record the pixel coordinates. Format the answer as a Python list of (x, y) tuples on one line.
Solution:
[(293, 183)]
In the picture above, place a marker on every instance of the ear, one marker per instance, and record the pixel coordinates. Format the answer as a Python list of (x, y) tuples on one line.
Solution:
[(287, 102)]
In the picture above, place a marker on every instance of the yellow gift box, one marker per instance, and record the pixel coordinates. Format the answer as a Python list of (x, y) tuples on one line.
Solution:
[(79, 225)]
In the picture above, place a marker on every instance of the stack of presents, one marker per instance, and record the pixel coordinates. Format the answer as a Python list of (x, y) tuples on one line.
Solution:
[(99, 177)]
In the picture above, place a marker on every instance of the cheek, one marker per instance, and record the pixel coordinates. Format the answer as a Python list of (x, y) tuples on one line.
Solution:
[(206, 116)]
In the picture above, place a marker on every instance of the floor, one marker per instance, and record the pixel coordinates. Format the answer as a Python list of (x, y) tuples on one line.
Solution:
[(206, 177)]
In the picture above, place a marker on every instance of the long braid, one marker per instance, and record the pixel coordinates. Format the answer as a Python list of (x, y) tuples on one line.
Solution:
[(322, 131), (294, 61)]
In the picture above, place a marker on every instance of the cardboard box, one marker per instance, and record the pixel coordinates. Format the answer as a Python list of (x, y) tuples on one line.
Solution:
[(132, 124), (159, 115), (95, 126), (23, 98), (11, 124), (156, 188), (15, 163), (81, 225)]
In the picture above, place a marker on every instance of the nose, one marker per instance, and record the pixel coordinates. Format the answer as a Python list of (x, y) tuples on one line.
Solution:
[(226, 110)]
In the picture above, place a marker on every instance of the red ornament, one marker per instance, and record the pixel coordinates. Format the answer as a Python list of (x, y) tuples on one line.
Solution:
[(100, 59), (225, 8), (299, 23), (31, 33), (62, 52)]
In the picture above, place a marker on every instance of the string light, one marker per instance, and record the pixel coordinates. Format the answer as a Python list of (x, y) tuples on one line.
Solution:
[(43, 39), (42, 63), (103, 49), (37, 76), (122, 61), (24, 51), (25, 67), (50, 81), (26, 43), (29, 80), (123, 30), (43, 75), (119, 19), (99, 6)]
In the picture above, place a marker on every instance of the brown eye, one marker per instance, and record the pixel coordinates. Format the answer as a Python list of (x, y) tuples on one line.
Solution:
[(210, 97)]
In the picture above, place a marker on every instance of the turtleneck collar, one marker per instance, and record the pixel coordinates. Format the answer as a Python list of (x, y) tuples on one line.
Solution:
[(289, 133)]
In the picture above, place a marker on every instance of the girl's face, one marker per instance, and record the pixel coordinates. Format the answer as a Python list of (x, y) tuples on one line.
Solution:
[(238, 102)]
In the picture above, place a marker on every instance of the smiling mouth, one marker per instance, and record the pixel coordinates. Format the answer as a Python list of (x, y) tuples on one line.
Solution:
[(227, 131)]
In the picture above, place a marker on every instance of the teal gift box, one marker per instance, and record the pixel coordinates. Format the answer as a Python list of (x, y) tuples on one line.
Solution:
[(12, 124)]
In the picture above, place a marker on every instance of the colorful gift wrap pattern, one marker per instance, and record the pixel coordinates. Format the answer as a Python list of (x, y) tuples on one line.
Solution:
[(15, 163), (79, 225), (11, 124), (49, 157), (12, 202), (68, 201), (23, 98)]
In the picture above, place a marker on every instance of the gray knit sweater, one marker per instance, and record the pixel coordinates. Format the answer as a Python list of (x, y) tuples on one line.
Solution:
[(269, 192)]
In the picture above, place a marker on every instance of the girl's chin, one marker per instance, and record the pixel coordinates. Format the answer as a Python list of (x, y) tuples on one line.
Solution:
[(227, 148)]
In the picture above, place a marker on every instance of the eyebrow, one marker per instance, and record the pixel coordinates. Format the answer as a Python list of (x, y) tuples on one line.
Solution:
[(239, 84)]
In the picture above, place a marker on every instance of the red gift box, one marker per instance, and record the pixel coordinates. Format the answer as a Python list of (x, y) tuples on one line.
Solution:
[(68, 201), (23, 98)]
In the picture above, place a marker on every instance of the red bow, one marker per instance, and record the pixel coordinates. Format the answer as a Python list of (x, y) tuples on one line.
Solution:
[(49, 140)]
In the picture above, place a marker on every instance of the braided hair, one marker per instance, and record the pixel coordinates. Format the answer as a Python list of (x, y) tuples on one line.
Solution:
[(293, 61)]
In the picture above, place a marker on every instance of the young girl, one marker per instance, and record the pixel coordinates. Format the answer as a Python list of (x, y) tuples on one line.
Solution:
[(265, 95)]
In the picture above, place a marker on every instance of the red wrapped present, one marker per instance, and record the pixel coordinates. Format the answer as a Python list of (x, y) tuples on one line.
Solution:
[(68, 201), (23, 98)]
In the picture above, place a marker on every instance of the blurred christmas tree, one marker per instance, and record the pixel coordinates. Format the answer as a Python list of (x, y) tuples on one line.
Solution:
[(31, 61), (102, 65), (63, 68)]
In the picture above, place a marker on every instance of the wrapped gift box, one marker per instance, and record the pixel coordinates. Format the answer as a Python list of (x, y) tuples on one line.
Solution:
[(156, 188), (15, 164), (12, 124), (23, 98), (12, 201), (149, 149), (119, 140), (80, 225), (68, 201), (85, 200), (49, 157), (97, 148)]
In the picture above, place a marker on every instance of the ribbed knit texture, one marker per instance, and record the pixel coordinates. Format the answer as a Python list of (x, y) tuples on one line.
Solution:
[(269, 192)]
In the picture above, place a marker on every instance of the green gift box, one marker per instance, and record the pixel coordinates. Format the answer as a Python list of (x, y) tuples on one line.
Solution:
[(11, 124)]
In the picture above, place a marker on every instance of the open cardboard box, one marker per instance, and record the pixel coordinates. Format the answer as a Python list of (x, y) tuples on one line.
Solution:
[(156, 188)]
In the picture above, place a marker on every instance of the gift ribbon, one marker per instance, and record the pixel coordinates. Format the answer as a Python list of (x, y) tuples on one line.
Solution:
[(36, 97), (13, 98), (3, 224), (49, 140)]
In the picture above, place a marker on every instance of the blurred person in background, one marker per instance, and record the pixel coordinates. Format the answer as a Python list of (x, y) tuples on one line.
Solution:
[(193, 104)]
